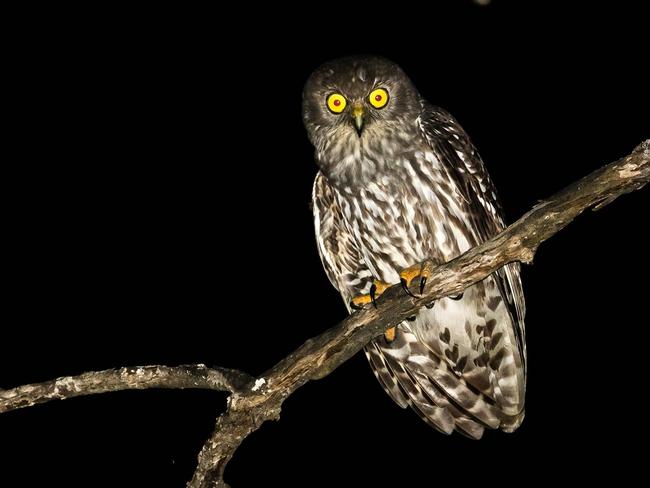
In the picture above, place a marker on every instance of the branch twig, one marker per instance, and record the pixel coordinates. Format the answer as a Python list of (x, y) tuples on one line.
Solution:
[(252, 403), (134, 378)]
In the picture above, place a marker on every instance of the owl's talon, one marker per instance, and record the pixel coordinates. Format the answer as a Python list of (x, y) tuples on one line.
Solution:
[(456, 297), (423, 282), (411, 318), (373, 292), (430, 305), (406, 288)]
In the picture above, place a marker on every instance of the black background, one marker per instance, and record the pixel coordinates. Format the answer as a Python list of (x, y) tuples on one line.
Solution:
[(162, 217)]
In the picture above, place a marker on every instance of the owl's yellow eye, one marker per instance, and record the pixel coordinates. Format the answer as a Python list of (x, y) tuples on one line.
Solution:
[(378, 98), (336, 103)]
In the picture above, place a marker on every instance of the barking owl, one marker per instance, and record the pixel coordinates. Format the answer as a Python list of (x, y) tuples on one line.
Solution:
[(399, 184)]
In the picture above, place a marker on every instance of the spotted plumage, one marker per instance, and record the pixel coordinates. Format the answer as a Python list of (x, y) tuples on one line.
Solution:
[(398, 185)]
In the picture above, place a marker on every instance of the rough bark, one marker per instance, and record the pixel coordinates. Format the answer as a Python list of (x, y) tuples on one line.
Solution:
[(251, 403), (132, 378)]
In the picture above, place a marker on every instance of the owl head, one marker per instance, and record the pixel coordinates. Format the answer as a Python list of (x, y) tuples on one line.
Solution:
[(358, 102)]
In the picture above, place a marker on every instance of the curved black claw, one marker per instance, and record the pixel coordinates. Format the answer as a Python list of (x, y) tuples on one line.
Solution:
[(406, 288), (354, 306), (423, 282), (430, 305), (456, 297), (411, 318), (373, 292)]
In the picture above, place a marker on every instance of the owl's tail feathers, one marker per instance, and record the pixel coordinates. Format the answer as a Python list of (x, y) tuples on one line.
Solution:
[(404, 391), (412, 375), (385, 374), (510, 423)]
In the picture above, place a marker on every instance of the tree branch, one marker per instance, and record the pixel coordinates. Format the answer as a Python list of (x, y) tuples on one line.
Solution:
[(252, 403), (134, 378), (319, 356)]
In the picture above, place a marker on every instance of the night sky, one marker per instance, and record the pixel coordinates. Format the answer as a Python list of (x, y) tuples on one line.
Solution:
[(163, 218)]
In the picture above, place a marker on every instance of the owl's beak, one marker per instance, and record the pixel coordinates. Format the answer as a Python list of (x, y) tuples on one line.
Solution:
[(358, 117)]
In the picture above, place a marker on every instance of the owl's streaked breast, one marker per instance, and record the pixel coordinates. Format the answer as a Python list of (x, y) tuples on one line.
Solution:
[(411, 210)]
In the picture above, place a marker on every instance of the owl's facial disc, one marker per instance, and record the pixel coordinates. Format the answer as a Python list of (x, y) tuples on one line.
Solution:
[(358, 117)]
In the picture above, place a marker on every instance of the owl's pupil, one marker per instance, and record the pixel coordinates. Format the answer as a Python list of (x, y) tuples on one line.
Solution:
[(378, 98), (337, 103)]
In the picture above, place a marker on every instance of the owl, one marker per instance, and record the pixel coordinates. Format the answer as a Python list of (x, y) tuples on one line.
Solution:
[(400, 184)]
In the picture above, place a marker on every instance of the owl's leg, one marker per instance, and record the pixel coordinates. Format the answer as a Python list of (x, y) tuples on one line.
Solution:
[(389, 335), (423, 271), (376, 289)]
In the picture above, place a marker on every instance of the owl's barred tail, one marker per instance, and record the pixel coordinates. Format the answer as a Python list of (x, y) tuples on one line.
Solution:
[(511, 423), (412, 375)]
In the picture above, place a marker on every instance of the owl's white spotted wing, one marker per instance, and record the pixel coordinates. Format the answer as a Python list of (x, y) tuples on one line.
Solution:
[(343, 263), (449, 140), (482, 337)]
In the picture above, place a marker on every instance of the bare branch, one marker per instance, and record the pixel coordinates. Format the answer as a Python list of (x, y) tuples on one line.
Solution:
[(133, 378), (253, 402), (319, 356)]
